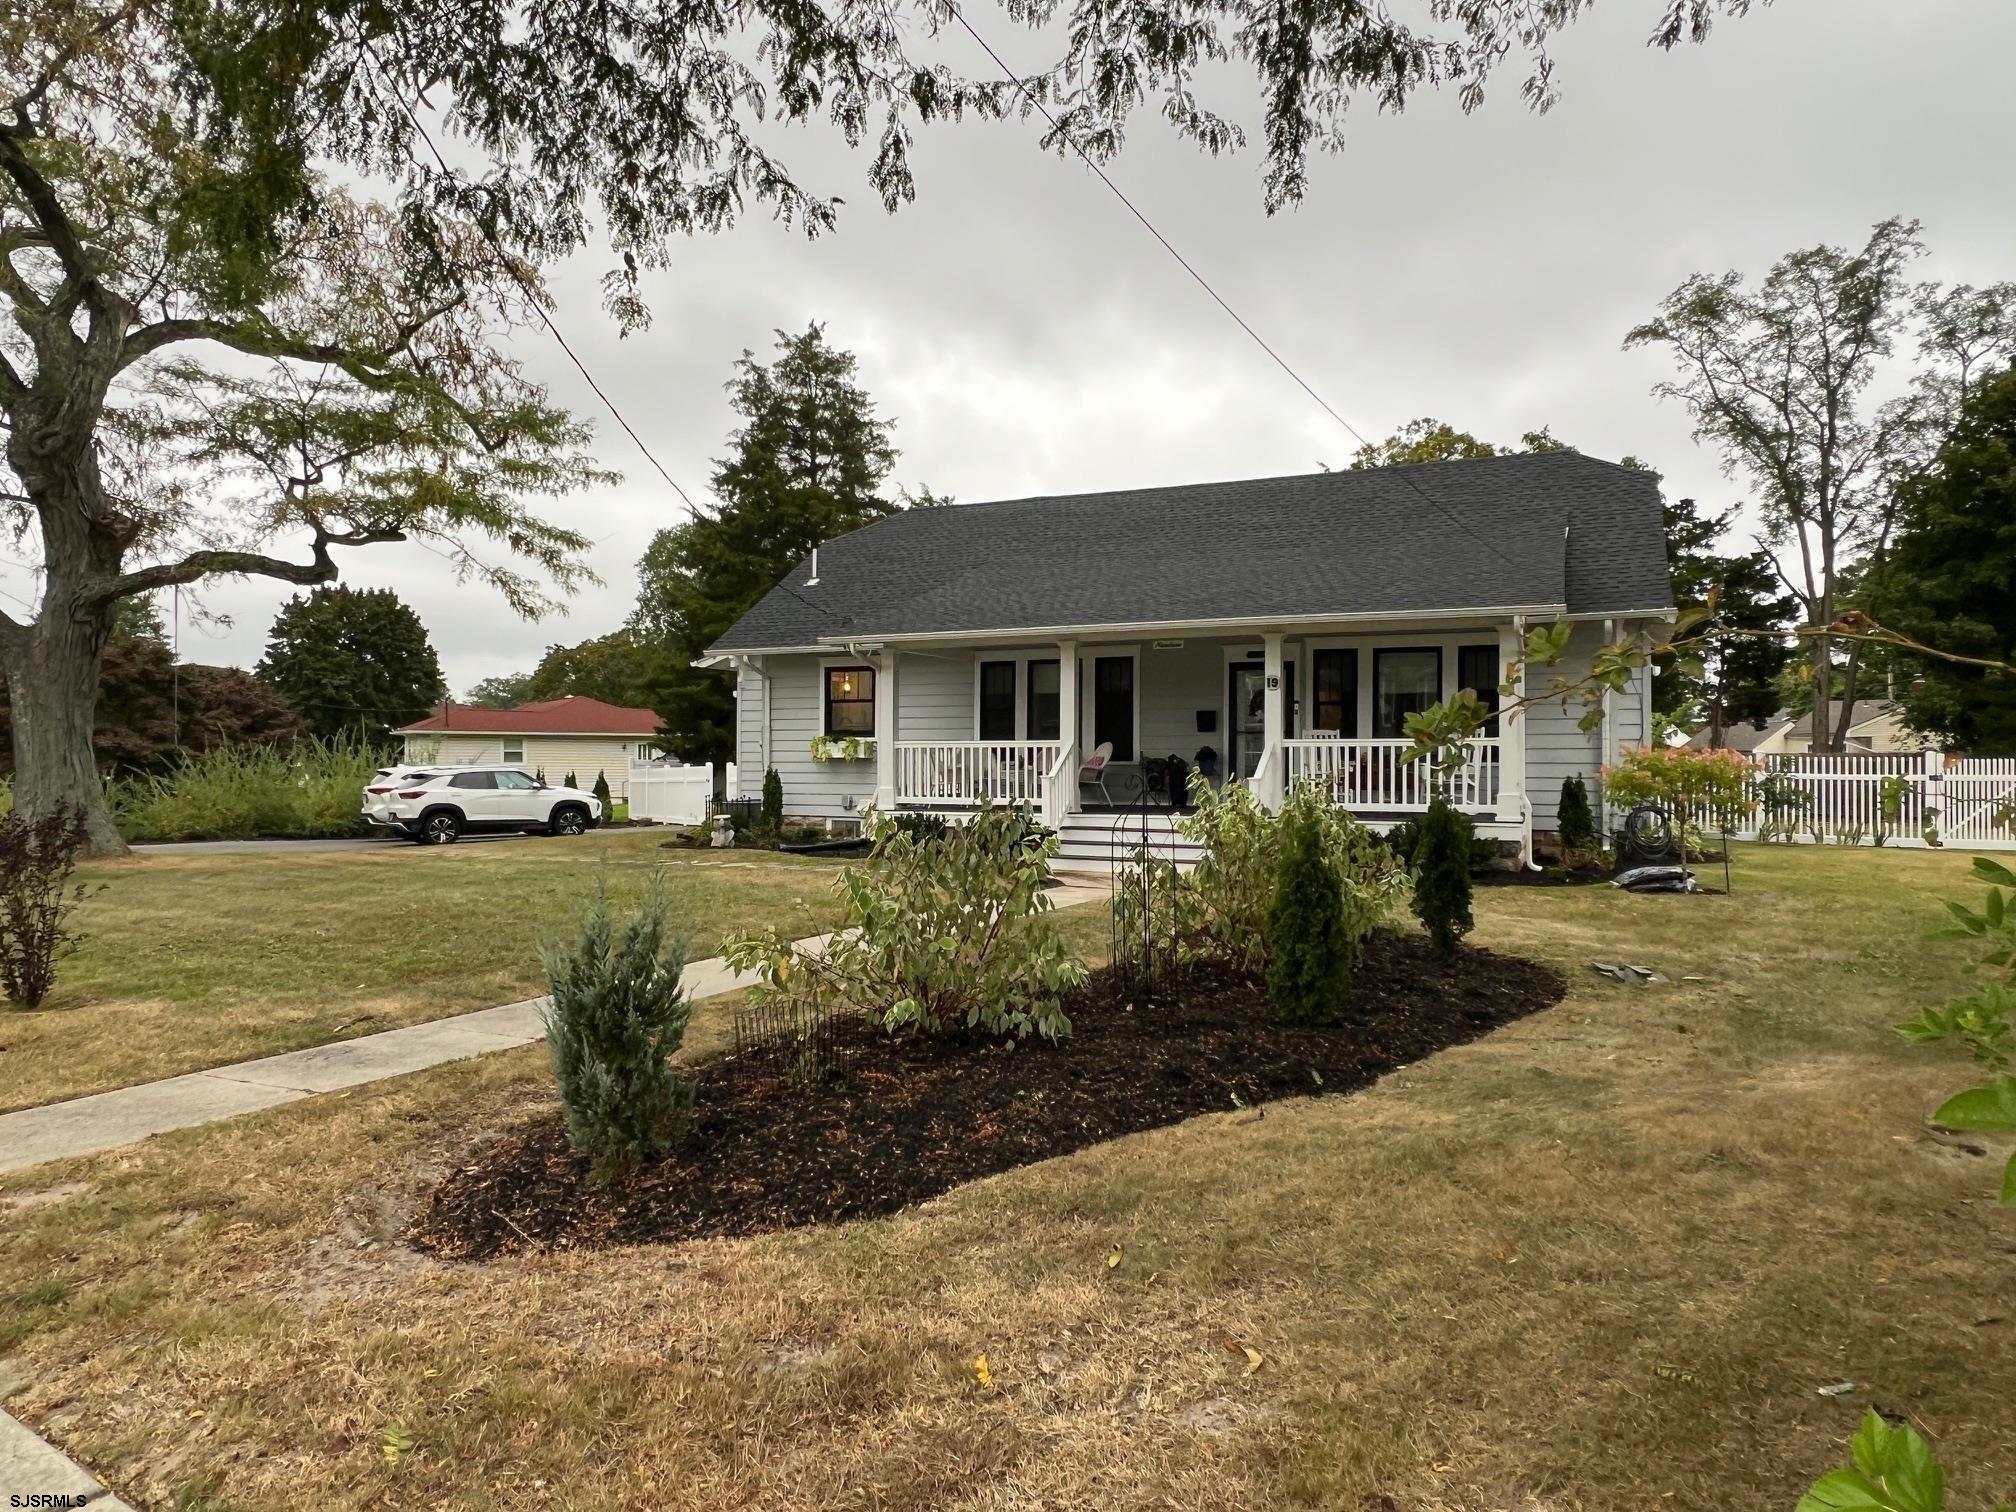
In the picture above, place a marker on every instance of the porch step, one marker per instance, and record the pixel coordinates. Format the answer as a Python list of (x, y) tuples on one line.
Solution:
[(1092, 842)]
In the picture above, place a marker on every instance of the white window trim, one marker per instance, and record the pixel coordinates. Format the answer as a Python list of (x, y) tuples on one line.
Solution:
[(848, 664), (504, 755), (1022, 656)]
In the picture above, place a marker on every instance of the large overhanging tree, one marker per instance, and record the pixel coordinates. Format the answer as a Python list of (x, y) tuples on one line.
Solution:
[(259, 257)]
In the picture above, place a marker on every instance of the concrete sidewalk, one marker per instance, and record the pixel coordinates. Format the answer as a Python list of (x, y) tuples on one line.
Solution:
[(86, 1125)]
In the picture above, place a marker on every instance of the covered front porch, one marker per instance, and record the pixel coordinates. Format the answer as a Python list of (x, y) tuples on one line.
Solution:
[(1077, 729)]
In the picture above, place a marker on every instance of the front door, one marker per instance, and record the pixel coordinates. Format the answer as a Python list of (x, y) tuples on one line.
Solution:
[(1248, 724)]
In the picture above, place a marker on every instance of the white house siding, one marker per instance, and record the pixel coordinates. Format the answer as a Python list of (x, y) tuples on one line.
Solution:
[(938, 700), (1175, 685), (752, 693), (1556, 749), (787, 705), (556, 755)]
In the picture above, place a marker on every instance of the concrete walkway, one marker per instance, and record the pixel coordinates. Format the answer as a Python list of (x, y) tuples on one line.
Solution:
[(36, 1474), (86, 1125)]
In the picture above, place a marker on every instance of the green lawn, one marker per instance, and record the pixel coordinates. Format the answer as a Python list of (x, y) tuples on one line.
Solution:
[(191, 961), (1603, 1259)]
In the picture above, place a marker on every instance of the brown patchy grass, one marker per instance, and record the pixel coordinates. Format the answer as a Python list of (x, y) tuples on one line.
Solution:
[(197, 961), (1602, 1259)]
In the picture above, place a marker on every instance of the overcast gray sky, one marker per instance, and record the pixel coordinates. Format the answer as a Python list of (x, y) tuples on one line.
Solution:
[(1028, 337)]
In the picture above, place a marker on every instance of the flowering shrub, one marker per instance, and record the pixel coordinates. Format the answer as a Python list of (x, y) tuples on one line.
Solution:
[(1691, 785)]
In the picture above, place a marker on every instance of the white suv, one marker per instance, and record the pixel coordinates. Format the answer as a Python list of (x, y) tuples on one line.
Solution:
[(439, 805)]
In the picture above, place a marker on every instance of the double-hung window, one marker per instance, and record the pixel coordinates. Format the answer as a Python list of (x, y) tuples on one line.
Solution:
[(1046, 711), (850, 701)]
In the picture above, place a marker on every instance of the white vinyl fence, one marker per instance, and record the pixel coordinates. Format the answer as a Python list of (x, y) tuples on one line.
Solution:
[(1893, 799), (664, 794)]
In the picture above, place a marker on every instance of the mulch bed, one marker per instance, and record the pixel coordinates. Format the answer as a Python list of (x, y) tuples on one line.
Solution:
[(1587, 876), (902, 1119)]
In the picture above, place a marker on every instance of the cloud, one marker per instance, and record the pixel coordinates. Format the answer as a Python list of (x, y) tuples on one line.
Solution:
[(1028, 336)]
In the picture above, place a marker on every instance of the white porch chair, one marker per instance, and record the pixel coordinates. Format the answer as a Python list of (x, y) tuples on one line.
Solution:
[(1093, 770)]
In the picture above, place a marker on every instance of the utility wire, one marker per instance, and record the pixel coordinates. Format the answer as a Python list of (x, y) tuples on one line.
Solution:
[(959, 15), (532, 297)]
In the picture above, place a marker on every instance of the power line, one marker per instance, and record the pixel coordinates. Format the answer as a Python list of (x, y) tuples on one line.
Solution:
[(959, 15), (532, 297)]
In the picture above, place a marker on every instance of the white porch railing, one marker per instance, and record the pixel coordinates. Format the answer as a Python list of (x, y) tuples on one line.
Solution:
[(962, 773), (1372, 775)]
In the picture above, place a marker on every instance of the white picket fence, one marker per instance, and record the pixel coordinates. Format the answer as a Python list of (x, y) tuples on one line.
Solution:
[(1970, 803), (662, 793)]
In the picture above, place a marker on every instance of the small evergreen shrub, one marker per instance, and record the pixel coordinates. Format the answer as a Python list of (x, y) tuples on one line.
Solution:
[(1576, 821), (1442, 876), (570, 782), (602, 792), (1310, 948), (37, 858), (1404, 840), (616, 1015), (773, 802)]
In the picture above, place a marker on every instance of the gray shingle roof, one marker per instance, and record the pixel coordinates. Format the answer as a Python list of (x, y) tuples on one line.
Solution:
[(1556, 529)]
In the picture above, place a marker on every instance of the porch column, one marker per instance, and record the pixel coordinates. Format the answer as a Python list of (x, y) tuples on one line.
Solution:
[(1512, 736), (885, 732), (1273, 728), (1066, 802)]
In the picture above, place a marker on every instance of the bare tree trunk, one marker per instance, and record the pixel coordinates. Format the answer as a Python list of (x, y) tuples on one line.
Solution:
[(52, 677)]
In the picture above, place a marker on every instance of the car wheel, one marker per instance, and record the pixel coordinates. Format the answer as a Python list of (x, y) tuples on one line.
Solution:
[(441, 828), (568, 820)]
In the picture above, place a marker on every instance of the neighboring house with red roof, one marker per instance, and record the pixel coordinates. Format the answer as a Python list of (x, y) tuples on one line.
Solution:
[(556, 735)]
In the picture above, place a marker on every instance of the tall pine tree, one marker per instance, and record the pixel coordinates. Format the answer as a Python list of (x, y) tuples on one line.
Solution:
[(808, 463), (1735, 680)]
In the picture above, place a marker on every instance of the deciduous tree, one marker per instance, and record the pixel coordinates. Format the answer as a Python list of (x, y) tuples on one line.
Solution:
[(151, 713), (257, 261), (1952, 577), (1778, 378), (356, 662), (617, 668), (505, 692)]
